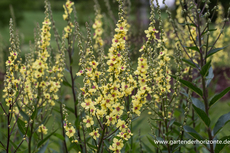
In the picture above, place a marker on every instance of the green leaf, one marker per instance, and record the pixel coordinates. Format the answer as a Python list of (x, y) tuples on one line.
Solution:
[(14, 145), (198, 103), (205, 68), (92, 146), (43, 148), (219, 147), (65, 83), (70, 109), (219, 96), (194, 48), (213, 51), (224, 119), (210, 76), (46, 138), (59, 136), (204, 117), (208, 30), (189, 62), (24, 115), (1, 147), (33, 116), (152, 142), (147, 147), (171, 122), (192, 87), (192, 132), (21, 126)]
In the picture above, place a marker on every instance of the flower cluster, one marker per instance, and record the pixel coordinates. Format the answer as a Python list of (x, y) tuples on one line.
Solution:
[(97, 26), (42, 129), (11, 83), (70, 130), (68, 9), (105, 102)]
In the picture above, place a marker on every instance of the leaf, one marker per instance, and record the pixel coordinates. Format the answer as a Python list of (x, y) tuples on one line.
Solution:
[(21, 126), (67, 70), (70, 109), (219, 96), (171, 122), (14, 145), (34, 114), (194, 48), (46, 138), (220, 146), (43, 148), (192, 132), (24, 115), (92, 146), (183, 91), (205, 68), (198, 103), (191, 86), (204, 117), (61, 137), (189, 62), (213, 51), (65, 83), (1, 147), (208, 30), (152, 142), (224, 119), (147, 147), (209, 77)]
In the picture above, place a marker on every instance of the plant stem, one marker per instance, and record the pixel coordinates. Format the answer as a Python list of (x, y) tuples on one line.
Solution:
[(63, 130), (8, 131), (30, 138), (72, 85), (205, 94), (101, 140)]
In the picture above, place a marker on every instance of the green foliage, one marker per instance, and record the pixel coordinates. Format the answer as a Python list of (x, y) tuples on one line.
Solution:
[(5, 12)]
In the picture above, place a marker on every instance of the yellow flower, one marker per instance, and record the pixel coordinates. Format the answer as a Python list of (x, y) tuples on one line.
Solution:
[(151, 32), (117, 144), (89, 121), (42, 129), (94, 134), (70, 131)]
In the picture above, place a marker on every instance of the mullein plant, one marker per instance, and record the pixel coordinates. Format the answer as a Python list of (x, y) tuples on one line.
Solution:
[(30, 89), (104, 101), (197, 51), (164, 95)]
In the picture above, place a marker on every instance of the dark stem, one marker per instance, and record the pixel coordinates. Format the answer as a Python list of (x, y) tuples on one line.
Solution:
[(30, 138), (63, 130), (205, 96), (194, 125), (101, 140), (73, 91), (8, 131)]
